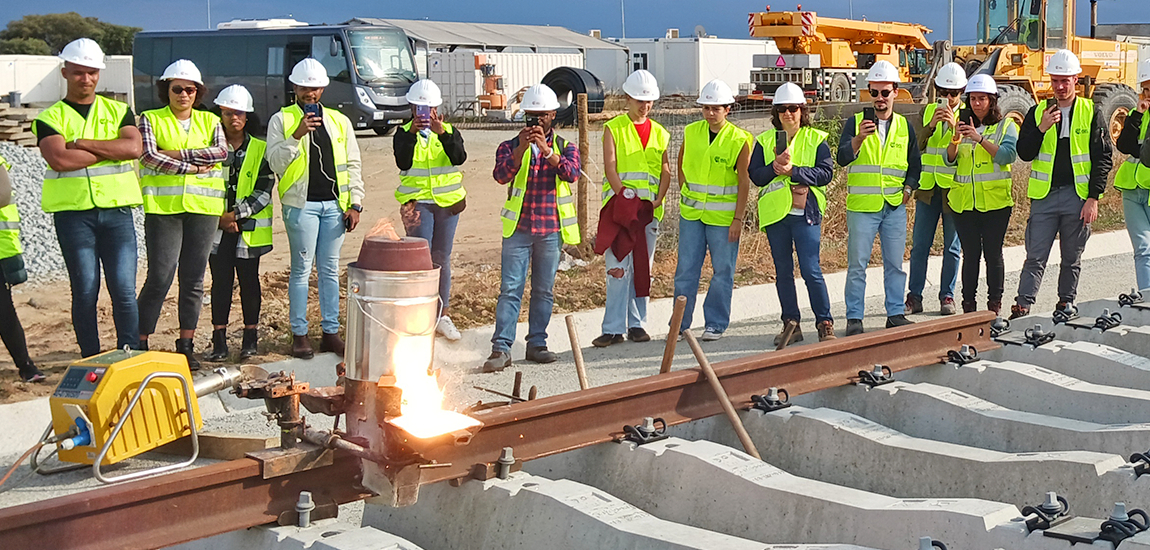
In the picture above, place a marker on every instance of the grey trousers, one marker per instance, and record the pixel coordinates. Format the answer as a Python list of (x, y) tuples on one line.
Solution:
[(182, 241), (1057, 215)]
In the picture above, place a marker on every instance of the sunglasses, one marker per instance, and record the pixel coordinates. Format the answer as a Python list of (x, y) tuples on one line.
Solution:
[(949, 93), (789, 108), (875, 93), (190, 90)]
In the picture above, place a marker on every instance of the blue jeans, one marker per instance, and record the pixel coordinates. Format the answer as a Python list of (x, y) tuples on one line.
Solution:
[(1137, 213), (890, 226), (437, 227), (520, 250), (926, 215), (89, 238), (793, 235), (315, 234), (623, 309), (695, 239)]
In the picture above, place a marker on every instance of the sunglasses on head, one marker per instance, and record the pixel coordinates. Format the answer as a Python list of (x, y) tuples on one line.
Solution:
[(789, 108), (875, 93), (949, 93), (190, 90)]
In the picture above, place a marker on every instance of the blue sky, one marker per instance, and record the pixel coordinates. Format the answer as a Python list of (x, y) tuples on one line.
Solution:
[(645, 18)]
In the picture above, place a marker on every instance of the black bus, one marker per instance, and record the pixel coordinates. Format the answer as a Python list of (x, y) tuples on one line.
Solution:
[(370, 67)]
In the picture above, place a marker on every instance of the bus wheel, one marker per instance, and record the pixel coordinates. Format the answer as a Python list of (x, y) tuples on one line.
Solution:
[(383, 130)]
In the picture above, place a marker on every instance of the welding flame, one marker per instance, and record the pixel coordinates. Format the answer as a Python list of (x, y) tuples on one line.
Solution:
[(421, 405)]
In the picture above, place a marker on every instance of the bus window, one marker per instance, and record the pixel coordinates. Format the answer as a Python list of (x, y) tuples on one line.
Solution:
[(336, 65), (382, 54), (276, 61)]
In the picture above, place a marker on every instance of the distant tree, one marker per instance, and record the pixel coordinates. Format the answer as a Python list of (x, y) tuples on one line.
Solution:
[(56, 30), (25, 46)]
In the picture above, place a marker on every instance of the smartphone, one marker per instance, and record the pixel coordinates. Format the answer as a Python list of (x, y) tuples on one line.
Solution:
[(310, 109), (531, 120), (423, 112), (868, 114), (347, 223), (248, 224), (966, 116), (780, 141), (943, 102)]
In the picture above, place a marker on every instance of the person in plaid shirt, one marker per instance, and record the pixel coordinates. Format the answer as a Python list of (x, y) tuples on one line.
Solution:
[(535, 164)]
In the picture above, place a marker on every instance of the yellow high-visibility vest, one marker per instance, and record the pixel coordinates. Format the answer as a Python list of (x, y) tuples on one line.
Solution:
[(178, 193), (879, 172), (775, 198), (1042, 167), (934, 168), (1132, 174), (639, 168), (9, 226), (431, 176), (292, 116), (564, 200), (711, 190), (980, 183), (261, 235)]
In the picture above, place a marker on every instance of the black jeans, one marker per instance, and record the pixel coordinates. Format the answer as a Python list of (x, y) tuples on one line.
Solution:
[(11, 331), (226, 268), (180, 242), (981, 235)]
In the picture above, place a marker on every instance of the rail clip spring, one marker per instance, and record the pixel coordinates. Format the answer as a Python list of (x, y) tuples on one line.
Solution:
[(1108, 320), (1047, 513), (1122, 524), (964, 355), (881, 374), (1036, 336), (651, 430), (1127, 300), (775, 399), (1061, 316), (1141, 462), (999, 326)]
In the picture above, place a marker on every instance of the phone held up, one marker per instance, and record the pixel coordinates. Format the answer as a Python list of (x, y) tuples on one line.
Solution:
[(780, 141), (423, 112), (531, 120), (310, 109), (869, 114)]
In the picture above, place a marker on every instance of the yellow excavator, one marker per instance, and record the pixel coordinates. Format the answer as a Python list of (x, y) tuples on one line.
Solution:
[(1016, 37)]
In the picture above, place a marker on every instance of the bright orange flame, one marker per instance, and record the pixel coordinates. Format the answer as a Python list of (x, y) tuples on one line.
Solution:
[(421, 408)]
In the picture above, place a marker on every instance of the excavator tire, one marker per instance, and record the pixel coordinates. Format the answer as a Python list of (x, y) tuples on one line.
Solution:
[(1114, 102), (841, 89), (1014, 102)]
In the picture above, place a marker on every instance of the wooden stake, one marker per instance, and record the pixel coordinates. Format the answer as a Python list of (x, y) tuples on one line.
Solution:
[(576, 351), (722, 396), (585, 157), (673, 334)]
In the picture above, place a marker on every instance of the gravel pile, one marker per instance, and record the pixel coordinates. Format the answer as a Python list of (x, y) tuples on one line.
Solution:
[(42, 255)]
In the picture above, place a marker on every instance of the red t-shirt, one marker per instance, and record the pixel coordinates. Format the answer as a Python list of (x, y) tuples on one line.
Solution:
[(644, 131)]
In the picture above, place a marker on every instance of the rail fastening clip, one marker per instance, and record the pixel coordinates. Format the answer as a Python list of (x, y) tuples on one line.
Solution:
[(1046, 514), (881, 374), (650, 431), (774, 400)]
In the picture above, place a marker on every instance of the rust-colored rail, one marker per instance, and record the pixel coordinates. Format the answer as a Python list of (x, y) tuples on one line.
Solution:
[(218, 498)]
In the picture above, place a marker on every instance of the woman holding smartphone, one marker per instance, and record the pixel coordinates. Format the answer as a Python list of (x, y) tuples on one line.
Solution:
[(792, 166), (982, 151)]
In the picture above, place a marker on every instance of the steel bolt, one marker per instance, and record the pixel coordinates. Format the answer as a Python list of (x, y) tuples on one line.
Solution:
[(648, 426), (1051, 504), (878, 371), (304, 507), (1119, 513), (965, 351), (1038, 332), (773, 394), (1106, 312), (506, 460)]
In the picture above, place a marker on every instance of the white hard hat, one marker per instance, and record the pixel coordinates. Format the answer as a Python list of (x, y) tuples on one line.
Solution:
[(716, 92), (951, 76), (309, 73), (982, 83), (1063, 63), (789, 94), (883, 71), (83, 51), (642, 85), (540, 97), (236, 97), (1144, 71), (425, 92), (184, 70)]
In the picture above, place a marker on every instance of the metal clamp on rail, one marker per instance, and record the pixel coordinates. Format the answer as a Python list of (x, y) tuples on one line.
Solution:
[(1108, 320), (1063, 316), (1133, 300), (1053, 510), (771, 401), (1032, 337), (650, 431), (1121, 525), (1141, 462), (881, 374), (962, 356), (1103, 322), (999, 326)]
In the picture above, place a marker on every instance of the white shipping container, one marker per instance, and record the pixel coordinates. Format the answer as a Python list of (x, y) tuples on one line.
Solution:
[(457, 78), (684, 65), (521, 70), (38, 78)]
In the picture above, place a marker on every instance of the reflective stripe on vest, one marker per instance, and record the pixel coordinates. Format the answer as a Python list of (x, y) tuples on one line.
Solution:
[(711, 189), (9, 226), (1043, 165), (178, 193), (775, 199), (980, 183), (245, 185), (639, 168), (879, 171), (564, 201), (1132, 174), (298, 169), (431, 176), (934, 168), (105, 184)]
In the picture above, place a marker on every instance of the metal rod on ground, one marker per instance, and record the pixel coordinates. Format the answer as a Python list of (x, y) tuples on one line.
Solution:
[(585, 156), (673, 334), (721, 395), (577, 352)]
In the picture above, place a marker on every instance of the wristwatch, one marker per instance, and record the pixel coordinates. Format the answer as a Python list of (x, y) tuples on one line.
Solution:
[(357, 208)]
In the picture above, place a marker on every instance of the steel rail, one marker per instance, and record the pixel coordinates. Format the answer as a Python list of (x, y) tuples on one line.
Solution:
[(223, 497)]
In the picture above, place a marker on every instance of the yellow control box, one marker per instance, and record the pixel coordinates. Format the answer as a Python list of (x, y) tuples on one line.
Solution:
[(96, 391)]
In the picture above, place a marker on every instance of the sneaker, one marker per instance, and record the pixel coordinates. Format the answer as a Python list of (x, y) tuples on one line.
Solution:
[(854, 326), (540, 354), (826, 330), (970, 306), (913, 303), (947, 307), (898, 321), (637, 334), (994, 305), (1017, 311), (605, 340), (446, 328), (497, 361), (710, 335), (796, 336)]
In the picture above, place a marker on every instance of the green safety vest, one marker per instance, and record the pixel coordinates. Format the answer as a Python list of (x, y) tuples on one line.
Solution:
[(292, 116), (9, 226), (711, 189), (980, 183), (879, 171), (775, 198), (639, 168), (167, 194), (245, 185), (564, 200), (105, 184), (1132, 174), (431, 176), (1043, 165), (934, 168)]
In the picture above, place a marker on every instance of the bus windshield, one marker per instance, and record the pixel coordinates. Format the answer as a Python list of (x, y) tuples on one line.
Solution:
[(381, 55)]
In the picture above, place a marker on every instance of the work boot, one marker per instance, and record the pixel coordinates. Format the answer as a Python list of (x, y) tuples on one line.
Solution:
[(1017, 311), (332, 343), (249, 349), (143, 345), (898, 321), (913, 303), (947, 307), (970, 306), (184, 346), (826, 330), (796, 336), (301, 347), (219, 346), (29, 372), (994, 305), (854, 326), (497, 361), (637, 334), (540, 354), (605, 340)]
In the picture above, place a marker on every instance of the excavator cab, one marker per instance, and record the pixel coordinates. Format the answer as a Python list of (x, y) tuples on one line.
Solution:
[(1019, 22)]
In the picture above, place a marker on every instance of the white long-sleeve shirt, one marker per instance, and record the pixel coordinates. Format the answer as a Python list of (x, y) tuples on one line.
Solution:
[(282, 150)]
